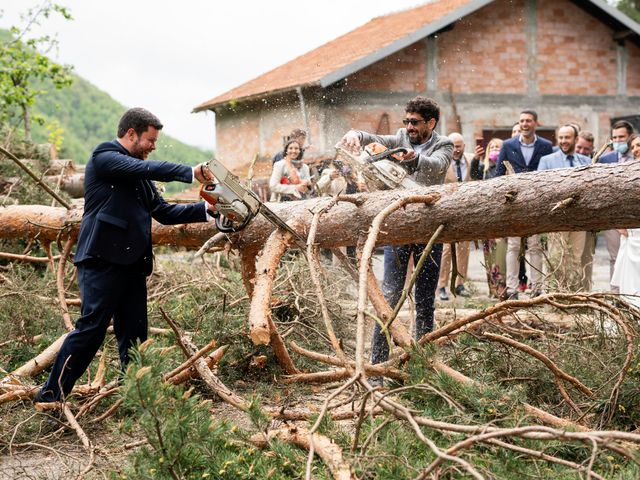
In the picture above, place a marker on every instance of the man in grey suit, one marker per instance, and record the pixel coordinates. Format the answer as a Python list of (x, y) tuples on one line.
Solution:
[(427, 159), (565, 248)]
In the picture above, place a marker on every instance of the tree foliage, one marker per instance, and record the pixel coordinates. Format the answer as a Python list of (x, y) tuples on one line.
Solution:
[(630, 8), (24, 67)]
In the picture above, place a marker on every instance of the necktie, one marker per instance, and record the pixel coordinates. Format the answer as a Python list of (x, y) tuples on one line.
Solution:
[(570, 159), (458, 170)]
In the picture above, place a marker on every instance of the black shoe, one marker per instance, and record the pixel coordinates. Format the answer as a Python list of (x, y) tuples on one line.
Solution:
[(443, 294), (509, 295), (43, 397), (461, 291)]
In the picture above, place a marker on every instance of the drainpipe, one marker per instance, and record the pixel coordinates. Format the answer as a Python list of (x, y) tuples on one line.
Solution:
[(305, 114)]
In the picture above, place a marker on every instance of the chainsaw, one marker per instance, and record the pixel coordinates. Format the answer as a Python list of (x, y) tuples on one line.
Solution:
[(379, 167), (233, 205)]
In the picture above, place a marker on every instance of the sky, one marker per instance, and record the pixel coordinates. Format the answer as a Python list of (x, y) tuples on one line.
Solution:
[(169, 57)]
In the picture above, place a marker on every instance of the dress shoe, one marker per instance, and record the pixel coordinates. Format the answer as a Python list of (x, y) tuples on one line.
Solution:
[(461, 291), (508, 294)]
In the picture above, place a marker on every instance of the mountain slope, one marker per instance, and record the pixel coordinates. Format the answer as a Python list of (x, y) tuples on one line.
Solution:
[(84, 116), (88, 116)]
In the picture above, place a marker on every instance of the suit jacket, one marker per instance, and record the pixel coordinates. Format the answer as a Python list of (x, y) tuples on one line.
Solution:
[(120, 201), (614, 157), (557, 160), (452, 175), (430, 166), (511, 151)]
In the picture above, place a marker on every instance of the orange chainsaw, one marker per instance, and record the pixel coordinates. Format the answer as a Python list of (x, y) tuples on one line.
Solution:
[(233, 205)]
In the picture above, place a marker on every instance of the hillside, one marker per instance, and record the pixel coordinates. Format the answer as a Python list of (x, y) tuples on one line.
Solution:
[(84, 115), (88, 116)]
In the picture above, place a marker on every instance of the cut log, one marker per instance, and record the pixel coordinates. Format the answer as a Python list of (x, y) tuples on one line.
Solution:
[(265, 274), (72, 184), (327, 450), (605, 196)]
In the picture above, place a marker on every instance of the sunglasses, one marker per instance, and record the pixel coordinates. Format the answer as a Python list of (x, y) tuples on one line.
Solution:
[(412, 121)]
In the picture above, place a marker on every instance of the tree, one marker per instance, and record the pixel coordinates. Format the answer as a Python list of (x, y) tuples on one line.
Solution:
[(591, 197), (23, 67), (630, 8)]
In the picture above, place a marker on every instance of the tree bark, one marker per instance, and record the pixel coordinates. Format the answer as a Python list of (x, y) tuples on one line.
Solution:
[(604, 197)]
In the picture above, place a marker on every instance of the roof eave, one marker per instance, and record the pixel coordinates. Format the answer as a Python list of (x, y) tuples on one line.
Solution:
[(425, 31), (257, 96), (618, 15), (443, 22)]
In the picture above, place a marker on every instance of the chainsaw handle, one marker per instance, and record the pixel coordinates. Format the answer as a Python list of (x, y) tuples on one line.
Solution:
[(224, 225), (386, 154)]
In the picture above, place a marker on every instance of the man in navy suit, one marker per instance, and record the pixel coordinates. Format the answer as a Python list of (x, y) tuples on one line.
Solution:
[(114, 254), (523, 152), (620, 133)]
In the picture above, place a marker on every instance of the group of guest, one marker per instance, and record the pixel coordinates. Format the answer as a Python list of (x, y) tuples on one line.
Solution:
[(568, 255)]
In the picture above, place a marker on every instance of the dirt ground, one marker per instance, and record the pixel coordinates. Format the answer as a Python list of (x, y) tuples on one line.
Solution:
[(69, 458)]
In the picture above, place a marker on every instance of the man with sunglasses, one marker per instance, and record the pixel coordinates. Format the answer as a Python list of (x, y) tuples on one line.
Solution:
[(427, 159)]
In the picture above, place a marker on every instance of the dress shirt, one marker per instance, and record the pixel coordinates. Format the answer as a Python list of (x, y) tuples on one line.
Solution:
[(460, 169), (527, 149)]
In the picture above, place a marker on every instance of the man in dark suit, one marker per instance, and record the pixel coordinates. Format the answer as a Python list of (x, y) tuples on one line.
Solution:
[(523, 152), (114, 254)]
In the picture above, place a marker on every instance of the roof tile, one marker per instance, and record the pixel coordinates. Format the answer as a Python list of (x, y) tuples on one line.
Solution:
[(310, 68)]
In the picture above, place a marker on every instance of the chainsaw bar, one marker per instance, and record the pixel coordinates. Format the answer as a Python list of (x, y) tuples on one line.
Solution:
[(250, 199), (278, 222)]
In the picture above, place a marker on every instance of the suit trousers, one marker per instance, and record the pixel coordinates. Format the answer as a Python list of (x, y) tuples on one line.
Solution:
[(513, 262), (107, 291), (462, 264), (396, 261)]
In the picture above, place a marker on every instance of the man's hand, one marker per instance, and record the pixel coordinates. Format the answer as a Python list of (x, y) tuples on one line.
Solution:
[(406, 156), (351, 141), (210, 209), (303, 187), (479, 153), (202, 173)]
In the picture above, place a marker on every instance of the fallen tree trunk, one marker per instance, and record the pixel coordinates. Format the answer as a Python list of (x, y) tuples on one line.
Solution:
[(73, 184), (602, 197)]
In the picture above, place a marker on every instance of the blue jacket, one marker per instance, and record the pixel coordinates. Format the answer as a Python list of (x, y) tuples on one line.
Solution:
[(511, 152), (557, 160), (611, 157), (120, 201)]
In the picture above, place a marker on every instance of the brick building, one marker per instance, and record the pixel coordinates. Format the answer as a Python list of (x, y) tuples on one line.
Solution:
[(483, 60)]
